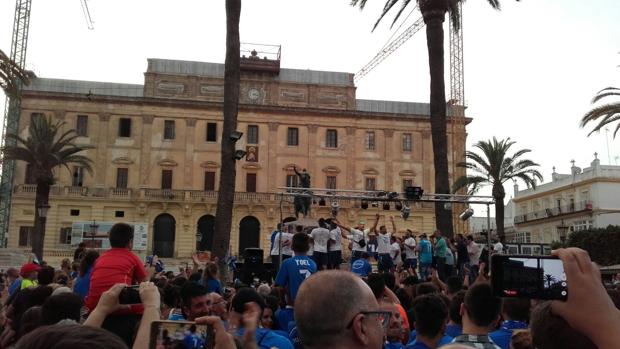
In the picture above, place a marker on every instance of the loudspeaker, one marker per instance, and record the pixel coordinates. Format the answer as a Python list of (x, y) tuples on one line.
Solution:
[(253, 266)]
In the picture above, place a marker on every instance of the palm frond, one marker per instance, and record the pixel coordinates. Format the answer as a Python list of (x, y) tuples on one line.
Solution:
[(606, 92), (402, 8), (472, 183), (608, 112)]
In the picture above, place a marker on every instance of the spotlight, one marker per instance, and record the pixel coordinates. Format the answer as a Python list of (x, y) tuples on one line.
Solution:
[(414, 193), (466, 214), (335, 208), (235, 136), (364, 205), (404, 213), (398, 206), (392, 195), (322, 202), (239, 154), (386, 206)]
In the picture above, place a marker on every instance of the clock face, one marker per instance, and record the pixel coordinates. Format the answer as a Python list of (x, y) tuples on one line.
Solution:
[(253, 94)]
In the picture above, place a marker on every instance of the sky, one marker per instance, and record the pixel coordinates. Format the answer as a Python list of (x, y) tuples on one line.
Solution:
[(531, 69)]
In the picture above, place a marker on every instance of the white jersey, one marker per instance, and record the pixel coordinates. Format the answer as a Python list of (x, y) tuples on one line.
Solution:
[(356, 236), (287, 249), (320, 237), (395, 253), (336, 236), (410, 252), (498, 247), (383, 243), (276, 241)]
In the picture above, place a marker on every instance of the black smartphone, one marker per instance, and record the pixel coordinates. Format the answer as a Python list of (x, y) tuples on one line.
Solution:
[(180, 334), (130, 295), (534, 277)]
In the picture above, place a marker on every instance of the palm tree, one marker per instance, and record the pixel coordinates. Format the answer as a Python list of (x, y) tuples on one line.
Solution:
[(228, 172), (12, 76), (494, 167), (45, 149), (608, 113), (434, 12), (549, 279)]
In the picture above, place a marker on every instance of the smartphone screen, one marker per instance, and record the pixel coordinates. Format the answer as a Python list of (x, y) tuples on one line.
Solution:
[(180, 334), (534, 277)]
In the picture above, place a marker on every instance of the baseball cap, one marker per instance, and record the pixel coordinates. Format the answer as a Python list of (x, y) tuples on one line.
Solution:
[(29, 268)]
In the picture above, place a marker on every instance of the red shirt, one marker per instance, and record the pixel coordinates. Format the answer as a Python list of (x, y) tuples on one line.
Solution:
[(116, 266)]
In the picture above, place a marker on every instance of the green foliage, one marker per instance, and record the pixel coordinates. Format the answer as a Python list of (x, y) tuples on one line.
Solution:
[(603, 244), (557, 244), (605, 114)]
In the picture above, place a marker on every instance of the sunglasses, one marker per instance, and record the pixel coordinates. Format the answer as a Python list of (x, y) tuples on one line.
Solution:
[(382, 316)]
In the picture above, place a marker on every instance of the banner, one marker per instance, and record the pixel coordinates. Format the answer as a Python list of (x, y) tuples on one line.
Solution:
[(83, 232)]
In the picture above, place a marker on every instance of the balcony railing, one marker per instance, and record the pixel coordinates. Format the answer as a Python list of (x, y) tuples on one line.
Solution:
[(549, 213)]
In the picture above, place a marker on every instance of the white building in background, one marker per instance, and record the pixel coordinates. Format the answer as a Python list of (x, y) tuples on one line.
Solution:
[(583, 199)]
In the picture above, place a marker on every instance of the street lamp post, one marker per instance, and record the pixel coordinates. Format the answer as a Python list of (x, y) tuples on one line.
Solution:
[(93, 231), (42, 210)]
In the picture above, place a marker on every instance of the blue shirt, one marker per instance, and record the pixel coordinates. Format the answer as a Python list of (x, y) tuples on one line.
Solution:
[(426, 253), (444, 340), (454, 330), (214, 286), (193, 341), (15, 286), (393, 345), (82, 283), (417, 345), (293, 272), (502, 336), (284, 317), (361, 267), (267, 339), (293, 335)]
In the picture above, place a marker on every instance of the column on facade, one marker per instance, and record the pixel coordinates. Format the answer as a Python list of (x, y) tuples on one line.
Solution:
[(145, 171), (272, 163), (312, 167), (389, 160), (186, 239), (427, 162), (101, 156), (350, 151)]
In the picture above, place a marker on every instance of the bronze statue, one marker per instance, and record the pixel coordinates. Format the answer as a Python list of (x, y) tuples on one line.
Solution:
[(302, 202)]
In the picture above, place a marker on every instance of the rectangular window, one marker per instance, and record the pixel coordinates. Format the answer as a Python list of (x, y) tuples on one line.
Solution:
[(166, 179), (330, 182), (25, 236), (370, 140), (331, 139), (292, 180), (122, 175), (370, 183), (124, 127), (252, 134), (81, 127), (119, 214), (209, 181), (292, 136), (406, 141), (407, 183), (250, 182), (35, 116), (65, 236), (74, 212), (168, 129), (211, 132), (29, 178), (78, 176)]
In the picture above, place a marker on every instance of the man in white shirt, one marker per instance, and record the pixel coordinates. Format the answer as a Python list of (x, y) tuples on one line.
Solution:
[(395, 253), (498, 247), (384, 245), (411, 259), (320, 237), (357, 237), (287, 239), (334, 255), (474, 251), (279, 239)]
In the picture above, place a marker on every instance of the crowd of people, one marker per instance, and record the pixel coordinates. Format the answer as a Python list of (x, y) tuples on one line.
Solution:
[(425, 291)]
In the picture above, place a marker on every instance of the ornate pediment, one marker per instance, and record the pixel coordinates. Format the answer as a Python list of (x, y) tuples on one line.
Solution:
[(122, 160), (210, 164), (407, 173), (167, 163), (252, 166), (370, 171), (331, 170)]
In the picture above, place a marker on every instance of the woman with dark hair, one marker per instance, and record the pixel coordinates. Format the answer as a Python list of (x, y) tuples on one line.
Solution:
[(82, 283), (210, 278)]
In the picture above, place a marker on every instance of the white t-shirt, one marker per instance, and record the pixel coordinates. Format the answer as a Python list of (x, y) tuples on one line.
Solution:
[(395, 252), (337, 238), (383, 243), (498, 247), (320, 237), (287, 249), (276, 241), (474, 251), (356, 236), (410, 252)]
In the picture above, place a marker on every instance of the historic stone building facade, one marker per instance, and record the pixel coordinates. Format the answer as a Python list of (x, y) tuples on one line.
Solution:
[(156, 153)]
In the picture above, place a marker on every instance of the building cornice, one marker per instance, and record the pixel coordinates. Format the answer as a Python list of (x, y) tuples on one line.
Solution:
[(538, 195)]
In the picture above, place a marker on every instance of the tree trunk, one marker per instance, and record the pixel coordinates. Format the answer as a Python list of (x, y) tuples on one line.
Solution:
[(228, 173), (499, 194), (38, 239), (434, 12)]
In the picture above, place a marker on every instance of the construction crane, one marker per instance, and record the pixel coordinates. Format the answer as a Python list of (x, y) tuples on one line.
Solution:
[(10, 124), (457, 85)]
